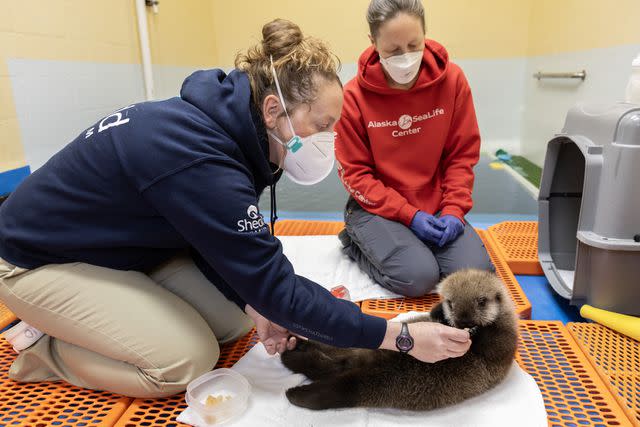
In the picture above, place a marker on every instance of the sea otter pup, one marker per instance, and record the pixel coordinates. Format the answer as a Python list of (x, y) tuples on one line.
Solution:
[(345, 378)]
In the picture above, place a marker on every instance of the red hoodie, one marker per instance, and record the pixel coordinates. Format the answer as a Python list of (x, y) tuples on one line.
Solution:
[(403, 151)]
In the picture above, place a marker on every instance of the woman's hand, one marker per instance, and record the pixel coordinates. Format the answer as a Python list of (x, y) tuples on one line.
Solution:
[(427, 227), (431, 341), (453, 228), (274, 337)]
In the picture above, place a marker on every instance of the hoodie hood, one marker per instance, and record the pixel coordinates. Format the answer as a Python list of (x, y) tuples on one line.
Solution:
[(226, 99), (435, 62)]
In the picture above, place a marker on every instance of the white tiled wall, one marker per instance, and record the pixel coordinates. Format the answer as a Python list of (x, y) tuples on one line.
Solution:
[(167, 80), (56, 100), (547, 101)]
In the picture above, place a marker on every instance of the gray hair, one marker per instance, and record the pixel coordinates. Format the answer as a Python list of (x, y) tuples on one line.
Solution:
[(380, 11)]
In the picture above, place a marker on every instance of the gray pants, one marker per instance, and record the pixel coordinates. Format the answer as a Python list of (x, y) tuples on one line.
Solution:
[(121, 331), (394, 257)]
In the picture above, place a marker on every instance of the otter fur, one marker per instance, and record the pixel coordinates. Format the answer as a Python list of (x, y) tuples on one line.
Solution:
[(346, 378)]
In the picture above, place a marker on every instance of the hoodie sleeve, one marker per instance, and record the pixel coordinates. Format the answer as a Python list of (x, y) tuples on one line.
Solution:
[(216, 280), (461, 153), (213, 205), (356, 168)]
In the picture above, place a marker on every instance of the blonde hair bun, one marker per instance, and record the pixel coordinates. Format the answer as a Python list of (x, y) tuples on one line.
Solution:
[(280, 37), (299, 62)]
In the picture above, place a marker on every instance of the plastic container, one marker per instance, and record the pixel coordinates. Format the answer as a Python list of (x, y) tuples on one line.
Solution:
[(589, 208), (633, 87), (219, 383)]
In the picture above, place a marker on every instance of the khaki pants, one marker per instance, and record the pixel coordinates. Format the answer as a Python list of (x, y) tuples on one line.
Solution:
[(121, 331)]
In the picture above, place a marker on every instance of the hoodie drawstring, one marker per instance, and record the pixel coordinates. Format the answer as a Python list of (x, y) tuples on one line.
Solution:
[(274, 216)]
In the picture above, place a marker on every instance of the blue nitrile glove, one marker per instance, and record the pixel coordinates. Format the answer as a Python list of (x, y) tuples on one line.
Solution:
[(427, 227), (454, 228)]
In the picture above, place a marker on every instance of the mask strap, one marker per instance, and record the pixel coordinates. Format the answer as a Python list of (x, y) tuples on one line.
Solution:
[(275, 78), (279, 141)]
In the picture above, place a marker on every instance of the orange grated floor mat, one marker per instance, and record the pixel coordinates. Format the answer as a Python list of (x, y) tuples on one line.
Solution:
[(616, 358), (626, 388), (523, 306), (517, 242), (53, 403), (573, 393), (154, 412), (389, 308), (291, 227), (6, 316), (612, 352), (163, 412)]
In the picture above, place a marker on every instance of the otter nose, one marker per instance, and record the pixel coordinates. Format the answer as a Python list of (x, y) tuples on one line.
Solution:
[(465, 321)]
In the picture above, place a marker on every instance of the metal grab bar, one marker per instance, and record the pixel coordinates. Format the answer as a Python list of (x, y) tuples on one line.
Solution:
[(577, 75)]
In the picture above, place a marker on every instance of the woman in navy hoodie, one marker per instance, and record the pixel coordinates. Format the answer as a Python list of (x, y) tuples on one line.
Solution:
[(139, 247)]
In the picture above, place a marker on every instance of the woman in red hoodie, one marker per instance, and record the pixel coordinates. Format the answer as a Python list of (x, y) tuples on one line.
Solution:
[(406, 145)]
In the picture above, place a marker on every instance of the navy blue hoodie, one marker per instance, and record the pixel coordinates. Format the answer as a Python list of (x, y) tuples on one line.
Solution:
[(158, 177)]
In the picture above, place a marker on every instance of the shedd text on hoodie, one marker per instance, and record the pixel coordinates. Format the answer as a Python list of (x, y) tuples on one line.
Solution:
[(255, 222)]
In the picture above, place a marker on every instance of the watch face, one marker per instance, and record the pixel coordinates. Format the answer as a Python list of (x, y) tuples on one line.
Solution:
[(404, 343)]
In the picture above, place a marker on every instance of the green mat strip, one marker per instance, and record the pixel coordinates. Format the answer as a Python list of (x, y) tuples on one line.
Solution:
[(526, 168), (530, 171)]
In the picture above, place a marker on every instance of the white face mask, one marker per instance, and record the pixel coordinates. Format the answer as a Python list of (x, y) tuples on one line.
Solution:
[(308, 160), (403, 68)]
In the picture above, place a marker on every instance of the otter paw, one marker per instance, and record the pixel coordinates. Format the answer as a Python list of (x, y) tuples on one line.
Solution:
[(305, 396)]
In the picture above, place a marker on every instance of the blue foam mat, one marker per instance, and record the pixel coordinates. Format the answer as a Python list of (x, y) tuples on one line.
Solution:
[(546, 304), (9, 180)]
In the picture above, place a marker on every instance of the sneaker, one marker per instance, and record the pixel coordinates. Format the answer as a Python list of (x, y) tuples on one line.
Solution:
[(22, 336)]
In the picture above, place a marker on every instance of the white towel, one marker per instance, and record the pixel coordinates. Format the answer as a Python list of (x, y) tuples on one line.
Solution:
[(320, 258), (516, 401)]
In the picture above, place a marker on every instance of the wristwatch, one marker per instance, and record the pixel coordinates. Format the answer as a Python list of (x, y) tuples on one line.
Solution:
[(404, 341)]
